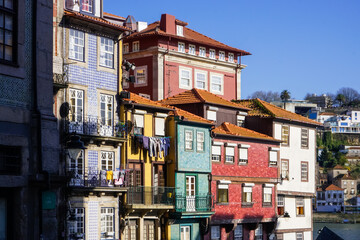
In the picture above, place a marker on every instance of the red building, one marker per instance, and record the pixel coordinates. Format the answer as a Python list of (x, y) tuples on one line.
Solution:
[(244, 178), (171, 58)]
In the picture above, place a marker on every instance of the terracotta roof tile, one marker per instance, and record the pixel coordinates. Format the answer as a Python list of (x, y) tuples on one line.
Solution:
[(134, 98), (189, 35), (327, 113), (189, 116), (265, 109), (200, 96), (231, 129), (339, 167), (113, 15), (344, 177), (332, 187), (95, 20)]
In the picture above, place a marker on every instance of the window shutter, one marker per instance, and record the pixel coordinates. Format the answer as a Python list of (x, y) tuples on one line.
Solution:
[(160, 126), (243, 152), (216, 150), (211, 115), (229, 151), (139, 120)]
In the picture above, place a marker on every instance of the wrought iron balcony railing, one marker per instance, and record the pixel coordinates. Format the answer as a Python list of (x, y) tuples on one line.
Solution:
[(96, 126), (195, 203), (151, 195), (93, 177)]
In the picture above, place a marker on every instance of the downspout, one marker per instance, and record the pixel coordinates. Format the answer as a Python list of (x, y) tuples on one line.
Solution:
[(238, 66), (164, 71)]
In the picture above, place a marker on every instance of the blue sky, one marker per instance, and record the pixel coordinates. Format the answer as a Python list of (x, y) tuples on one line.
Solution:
[(299, 45)]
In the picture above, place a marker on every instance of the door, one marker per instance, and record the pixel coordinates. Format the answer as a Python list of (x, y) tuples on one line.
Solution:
[(158, 184), (106, 114), (190, 193), (185, 233), (130, 231), (76, 115), (76, 170), (149, 230)]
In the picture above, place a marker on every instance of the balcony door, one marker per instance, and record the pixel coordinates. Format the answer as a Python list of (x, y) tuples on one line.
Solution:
[(185, 233), (190, 193), (106, 114), (76, 115), (149, 230), (76, 170), (158, 182)]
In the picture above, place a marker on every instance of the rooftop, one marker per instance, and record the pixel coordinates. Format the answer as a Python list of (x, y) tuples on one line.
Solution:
[(134, 98), (189, 116)]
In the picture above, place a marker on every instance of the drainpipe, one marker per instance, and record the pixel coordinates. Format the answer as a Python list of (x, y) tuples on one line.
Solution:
[(236, 76), (164, 71)]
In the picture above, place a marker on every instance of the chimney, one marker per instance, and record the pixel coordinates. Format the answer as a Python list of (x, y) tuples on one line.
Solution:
[(167, 23)]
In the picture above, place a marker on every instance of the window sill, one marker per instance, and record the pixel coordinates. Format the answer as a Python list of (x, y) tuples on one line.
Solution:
[(247, 205), (222, 203), (229, 163), (267, 205), (243, 164), (216, 162)]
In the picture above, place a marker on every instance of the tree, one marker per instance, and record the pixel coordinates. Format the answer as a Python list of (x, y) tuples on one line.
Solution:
[(340, 98), (285, 96), (268, 96), (349, 94), (327, 159)]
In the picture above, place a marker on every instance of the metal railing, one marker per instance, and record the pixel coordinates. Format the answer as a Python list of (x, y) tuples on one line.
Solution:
[(151, 195), (96, 126), (93, 177), (195, 203)]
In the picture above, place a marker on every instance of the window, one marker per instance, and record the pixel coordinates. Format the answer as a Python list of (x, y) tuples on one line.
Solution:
[(78, 228), (304, 138), (243, 156), (136, 46), (231, 57), (202, 52), (267, 196), (87, 6), (107, 160), (7, 31), (299, 236), (345, 191), (141, 76), (190, 194), (107, 223), (299, 206), (240, 119), (106, 52), (221, 56), (285, 135), (229, 154), (304, 172), (149, 230), (216, 84), (185, 233), (216, 153), (135, 174), (179, 30), (188, 140), (259, 232), (238, 232), (215, 232), (181, 47), (138, 124), (223, 193), (185, 78), (247, 194), (76, 110), (200, 141), (273, 157), (280, 205), (106, 109), (192, 49), (10, 160), (211, 115), (76, 169), (159, 126), (352, 191), (201, 80), (126, 48), (212, 53), (76, 45), (285, 169)]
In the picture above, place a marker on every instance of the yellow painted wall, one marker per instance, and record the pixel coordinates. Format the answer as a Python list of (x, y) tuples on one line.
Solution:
[(171, 131)]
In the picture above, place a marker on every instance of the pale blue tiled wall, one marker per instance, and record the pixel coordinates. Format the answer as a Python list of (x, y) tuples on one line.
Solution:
[(93, 159), (202, 183)]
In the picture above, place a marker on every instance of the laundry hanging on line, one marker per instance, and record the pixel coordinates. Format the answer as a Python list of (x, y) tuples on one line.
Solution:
[(157, 146)]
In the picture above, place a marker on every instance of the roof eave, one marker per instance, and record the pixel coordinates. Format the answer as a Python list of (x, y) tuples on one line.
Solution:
[(253, 138)]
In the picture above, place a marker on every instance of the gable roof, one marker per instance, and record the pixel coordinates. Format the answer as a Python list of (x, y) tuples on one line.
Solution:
[(266, 110), (136, 99), (96, 20), (231, 129), (113, 15), (189, 116), (189, 35), (344, 177), (200, 96), (333, 187)]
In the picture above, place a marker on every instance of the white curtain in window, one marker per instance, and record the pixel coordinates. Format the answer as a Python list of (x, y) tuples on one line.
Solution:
[(139, 120), (229, 151), (160, 126)]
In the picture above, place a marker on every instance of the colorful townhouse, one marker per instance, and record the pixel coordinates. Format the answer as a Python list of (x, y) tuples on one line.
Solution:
[(297, 164), (171, 58), (349, 185), (244, 179), (148, 199), (189, 171), (86, 63), (329, 198)]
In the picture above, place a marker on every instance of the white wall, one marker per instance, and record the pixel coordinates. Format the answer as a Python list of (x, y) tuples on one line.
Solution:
[(295, 222)]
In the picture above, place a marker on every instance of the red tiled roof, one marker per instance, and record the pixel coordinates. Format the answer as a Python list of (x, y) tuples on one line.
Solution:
[(339, 167), (231, 129), (200, 96), (189, 116), (134, 98), (332, 187), (327, 113), (189, 35), (265, 109), (344, 177), (95, 20), (113, 15)]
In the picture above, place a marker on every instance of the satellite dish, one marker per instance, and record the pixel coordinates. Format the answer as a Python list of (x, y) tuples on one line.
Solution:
[(64, 109)]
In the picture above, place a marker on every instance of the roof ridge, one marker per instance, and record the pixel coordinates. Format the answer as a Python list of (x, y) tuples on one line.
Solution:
[(198, 94), (193, 115), (224, 124), (261, 105)]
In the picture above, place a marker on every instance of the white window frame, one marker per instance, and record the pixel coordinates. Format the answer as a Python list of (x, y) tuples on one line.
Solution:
[(212, 76), (106, 52), (300, 203), (200, 141), (136, 46), (243, 155), (229, 154), (238, 232), (107, 160), (106, 110), (79, 227), (181, 47), (202, 51), (247, 192), (211, 115), (284, 172), (216, 153), (184, 230), (126, 48), (267, 195), (212, 53), (137, 73), (179, 30), (273, 156), (107, 221), (181, 85), (204, 81), (192, 49), (189, 140), (230, 57), (76, 110), (215, 232), (76, 45), (159, 126), (281, 202), (221, 56), (138, 123), (89, 4)]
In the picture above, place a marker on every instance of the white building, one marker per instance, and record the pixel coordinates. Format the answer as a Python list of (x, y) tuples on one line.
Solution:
[(329, 198), (297, 165), (349, 122)]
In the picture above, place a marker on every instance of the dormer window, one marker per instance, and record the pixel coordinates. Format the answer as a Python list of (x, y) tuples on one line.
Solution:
[(192, 49), (136, 46), (231, 57), (212, 54), (179, 30), (202, 52), (181, 47), (222, 56), (87, 6), (126, 48)]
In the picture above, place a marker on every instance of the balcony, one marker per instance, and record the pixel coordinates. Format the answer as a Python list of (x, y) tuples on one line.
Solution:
[(150, 197), (196, 203), (93, 126)]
